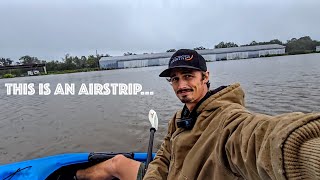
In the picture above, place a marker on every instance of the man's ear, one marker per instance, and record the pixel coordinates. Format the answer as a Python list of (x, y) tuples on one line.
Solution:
[(206, 76)]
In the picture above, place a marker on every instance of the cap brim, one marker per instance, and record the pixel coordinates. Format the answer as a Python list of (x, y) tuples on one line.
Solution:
[(167, 72)]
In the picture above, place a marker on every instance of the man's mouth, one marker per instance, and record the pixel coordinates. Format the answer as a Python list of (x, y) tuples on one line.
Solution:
[(184, 91)]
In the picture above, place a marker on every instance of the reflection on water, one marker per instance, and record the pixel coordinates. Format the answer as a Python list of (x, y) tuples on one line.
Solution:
[(35, 126)]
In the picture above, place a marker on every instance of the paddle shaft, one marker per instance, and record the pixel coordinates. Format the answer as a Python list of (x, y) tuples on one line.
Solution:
[(152, 130)]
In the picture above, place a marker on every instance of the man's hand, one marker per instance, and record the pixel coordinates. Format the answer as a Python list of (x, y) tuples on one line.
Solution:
[(96, 172), (117, 167)]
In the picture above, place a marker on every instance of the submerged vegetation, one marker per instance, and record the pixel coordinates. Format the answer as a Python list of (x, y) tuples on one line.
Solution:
[(8, 76), (73, 71)]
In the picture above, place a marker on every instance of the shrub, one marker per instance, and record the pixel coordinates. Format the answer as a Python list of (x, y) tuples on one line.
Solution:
[(8, 76)]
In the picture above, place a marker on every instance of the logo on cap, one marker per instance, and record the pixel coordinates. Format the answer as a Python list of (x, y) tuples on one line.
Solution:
[(182, 57)]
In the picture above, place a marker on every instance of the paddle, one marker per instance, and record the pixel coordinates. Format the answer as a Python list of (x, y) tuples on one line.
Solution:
[(153, 118)]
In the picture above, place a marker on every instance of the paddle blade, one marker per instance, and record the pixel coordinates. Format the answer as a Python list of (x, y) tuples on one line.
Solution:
[(153, 118)]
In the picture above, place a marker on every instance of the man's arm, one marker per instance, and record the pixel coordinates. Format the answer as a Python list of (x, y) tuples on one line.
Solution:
[(257, 146), (159, 167)]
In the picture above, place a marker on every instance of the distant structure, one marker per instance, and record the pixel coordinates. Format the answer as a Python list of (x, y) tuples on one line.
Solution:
[(158, 59), (32, 68), (318, 48)]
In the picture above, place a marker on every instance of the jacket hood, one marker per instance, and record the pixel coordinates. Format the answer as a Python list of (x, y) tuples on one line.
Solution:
[(231, 94)]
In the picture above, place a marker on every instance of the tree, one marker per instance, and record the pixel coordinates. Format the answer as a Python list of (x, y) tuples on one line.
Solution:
[(53, 66), (2, 61), (303, 44), (220, 45), (128, 54), (253, 43), (225, 45), (292, 40), (171, 50), (275, 41), (9, 61), (68, 62), (5, 61), (92, 61), (83, 61), (199, 48), (77, 62), (29, 60)]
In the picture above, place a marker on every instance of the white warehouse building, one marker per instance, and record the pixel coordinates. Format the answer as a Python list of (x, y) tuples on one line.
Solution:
[(158, 59)]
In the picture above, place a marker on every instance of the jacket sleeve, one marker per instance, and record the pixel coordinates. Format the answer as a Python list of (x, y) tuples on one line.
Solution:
[(257, 146), (159, 167)]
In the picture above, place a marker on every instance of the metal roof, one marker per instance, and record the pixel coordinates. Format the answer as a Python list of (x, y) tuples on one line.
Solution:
[(138, 56), (202, 52)]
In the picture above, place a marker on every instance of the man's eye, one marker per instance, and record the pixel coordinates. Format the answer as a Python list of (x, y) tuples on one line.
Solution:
[(188, 76), (174, 79)]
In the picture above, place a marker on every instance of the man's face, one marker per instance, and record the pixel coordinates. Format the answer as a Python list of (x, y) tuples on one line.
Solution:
[(189, 85)]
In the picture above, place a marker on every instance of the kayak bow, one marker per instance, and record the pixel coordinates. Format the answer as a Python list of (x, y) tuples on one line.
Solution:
[(58, 166)]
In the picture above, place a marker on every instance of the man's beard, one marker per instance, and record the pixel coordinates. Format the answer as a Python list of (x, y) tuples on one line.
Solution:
[(186, 99)]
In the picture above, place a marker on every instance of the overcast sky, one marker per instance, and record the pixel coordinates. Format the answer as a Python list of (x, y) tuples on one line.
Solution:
[(52, 28)]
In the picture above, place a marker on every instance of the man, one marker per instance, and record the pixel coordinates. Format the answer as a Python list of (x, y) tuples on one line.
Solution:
[(215, 137)]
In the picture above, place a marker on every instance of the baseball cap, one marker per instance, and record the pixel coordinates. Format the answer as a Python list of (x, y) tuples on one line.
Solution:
[(185, 58)]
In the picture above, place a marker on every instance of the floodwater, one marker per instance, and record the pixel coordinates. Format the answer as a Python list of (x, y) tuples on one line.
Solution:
[(37, 125)]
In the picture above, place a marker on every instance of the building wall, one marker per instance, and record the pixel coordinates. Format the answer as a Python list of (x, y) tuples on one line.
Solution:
[(134, 63), (120, 64), (249, 54), (271, 52), (237, 55), (158, 61), (114, 64), (253, 54), (153, 62), (111, 64), (218, 56), (221, 57), (163, 61), (210, 57)]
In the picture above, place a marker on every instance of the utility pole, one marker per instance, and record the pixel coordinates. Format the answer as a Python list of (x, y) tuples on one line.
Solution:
[(97, 59)]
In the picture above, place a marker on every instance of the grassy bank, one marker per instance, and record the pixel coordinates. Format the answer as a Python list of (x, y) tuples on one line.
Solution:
[(72, 71)]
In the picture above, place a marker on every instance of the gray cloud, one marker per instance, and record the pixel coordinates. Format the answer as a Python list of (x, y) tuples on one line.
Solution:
[(51, 29)]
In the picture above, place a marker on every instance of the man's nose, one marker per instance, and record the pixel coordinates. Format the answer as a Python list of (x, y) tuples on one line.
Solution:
[(182, 83)]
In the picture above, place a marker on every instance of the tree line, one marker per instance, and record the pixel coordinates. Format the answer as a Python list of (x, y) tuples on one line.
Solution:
[(67, 63), (293, 46)]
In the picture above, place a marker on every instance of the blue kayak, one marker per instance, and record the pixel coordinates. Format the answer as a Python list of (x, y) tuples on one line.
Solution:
[(61, 166)]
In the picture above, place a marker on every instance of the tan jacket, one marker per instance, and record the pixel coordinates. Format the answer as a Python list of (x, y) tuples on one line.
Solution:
[(229, 142)]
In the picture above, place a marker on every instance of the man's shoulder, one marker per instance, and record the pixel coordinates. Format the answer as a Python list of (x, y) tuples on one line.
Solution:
[(177, 115)]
